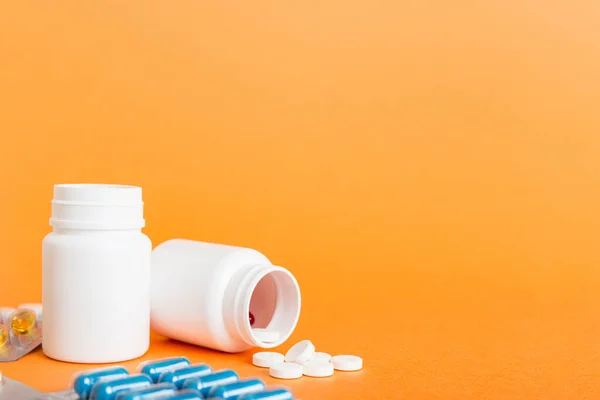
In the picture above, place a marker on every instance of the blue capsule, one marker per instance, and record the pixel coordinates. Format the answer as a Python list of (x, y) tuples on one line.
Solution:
[(186, 394), (204, 384), (178, 376), (234, 391), (154, 392), (273, 394), (109, 390), (84, 382), (155, 368)]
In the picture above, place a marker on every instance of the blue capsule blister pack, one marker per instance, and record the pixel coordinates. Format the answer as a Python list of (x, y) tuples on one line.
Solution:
[(172, 378)]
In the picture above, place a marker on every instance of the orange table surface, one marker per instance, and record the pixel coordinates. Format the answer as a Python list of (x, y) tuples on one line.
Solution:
[(428, 170), (425, 337)]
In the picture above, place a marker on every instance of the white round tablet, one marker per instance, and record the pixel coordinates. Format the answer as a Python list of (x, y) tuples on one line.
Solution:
[(319, 356), (300, 352), (286, 370), (317, 369), (266, 359), (347, 363), (266, 335), (35, 307)]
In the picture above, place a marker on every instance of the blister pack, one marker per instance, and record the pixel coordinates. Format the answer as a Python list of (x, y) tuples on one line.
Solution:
[(13, 390), (173, 378), (20, 330)]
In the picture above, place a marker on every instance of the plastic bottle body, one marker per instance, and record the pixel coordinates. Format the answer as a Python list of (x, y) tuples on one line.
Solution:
[(202, 293), (95, 285)]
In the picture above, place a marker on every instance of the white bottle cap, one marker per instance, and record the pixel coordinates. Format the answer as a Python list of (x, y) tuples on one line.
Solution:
[(97, 206)]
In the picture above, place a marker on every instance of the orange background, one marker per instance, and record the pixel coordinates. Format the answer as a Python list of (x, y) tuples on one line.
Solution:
[(429, 170)]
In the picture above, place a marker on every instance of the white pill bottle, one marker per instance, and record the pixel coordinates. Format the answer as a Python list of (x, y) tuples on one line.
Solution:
[(96, 275), (204, 294)]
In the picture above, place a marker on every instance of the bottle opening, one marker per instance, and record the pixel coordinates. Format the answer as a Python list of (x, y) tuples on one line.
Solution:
[(275, 308), (262, 302)]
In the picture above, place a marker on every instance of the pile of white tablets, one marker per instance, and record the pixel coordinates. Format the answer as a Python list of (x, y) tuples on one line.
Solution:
[(302, 359)]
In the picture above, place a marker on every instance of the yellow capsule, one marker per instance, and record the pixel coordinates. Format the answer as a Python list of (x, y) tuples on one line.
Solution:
[(3, 335), (23, 321)]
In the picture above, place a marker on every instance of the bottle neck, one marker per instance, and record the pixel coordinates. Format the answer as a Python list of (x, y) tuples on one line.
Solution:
[(271, 294)]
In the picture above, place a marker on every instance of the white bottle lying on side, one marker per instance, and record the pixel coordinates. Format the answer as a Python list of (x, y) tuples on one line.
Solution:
[(214, 295)]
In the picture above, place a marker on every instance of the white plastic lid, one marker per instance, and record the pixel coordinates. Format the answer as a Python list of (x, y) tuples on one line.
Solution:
[(97, 206)]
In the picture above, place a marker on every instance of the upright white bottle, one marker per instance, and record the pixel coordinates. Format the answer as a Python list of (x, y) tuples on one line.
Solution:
[(204, 294), (96, 275)]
